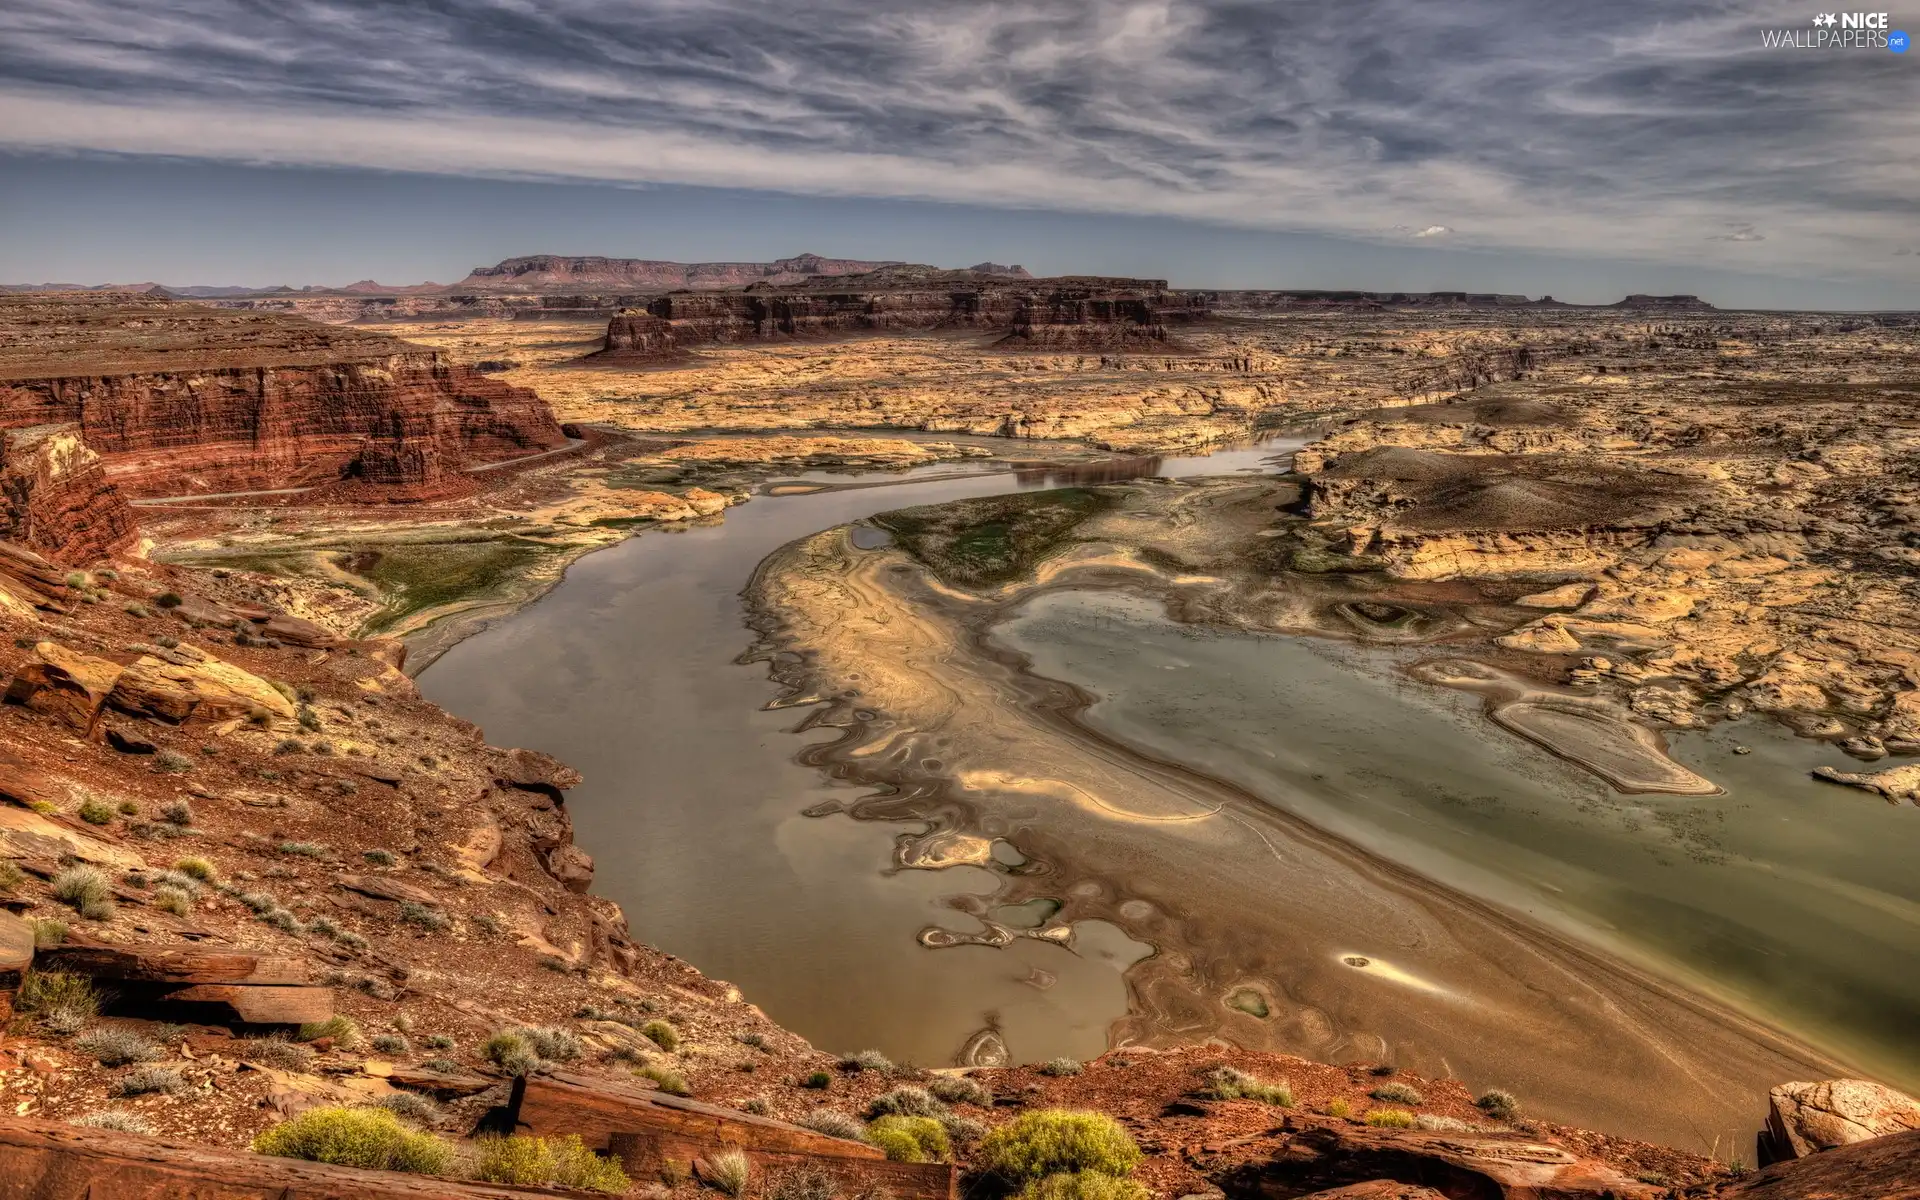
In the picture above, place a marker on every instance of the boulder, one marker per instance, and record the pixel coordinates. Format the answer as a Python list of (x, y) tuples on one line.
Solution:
[(1894, 783), (297, 632), (1882, 1168), (65, 684), (1545, 636), (208, 690), (1568, 595), (532, 771), (1804, 1118), (572, 866)]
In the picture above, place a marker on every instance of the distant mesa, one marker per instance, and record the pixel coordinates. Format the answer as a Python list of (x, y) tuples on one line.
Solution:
[(537, 271)]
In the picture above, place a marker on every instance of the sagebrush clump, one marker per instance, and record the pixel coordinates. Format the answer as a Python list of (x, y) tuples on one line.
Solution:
[(1390, 1118), (1228, 1083), (1499, 1104), (1056, 1141), (558, 1162), (910, 1139), (356, 1137), (834, 1123), (1397, 1093)]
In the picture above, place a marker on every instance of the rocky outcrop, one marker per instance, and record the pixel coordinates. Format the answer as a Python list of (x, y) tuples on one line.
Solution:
[(1805, 1118), (1883, 1168), (183, 399), (55, 496)]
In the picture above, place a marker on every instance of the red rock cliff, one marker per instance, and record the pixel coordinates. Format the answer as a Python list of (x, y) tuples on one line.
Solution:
[(182, 399), (55, 498)]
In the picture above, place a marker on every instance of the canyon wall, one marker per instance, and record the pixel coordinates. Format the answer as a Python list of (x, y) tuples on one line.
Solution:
[(181, 399), (55, 497)]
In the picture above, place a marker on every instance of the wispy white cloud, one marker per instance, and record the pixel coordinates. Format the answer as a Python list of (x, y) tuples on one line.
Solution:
[(1658, 129)]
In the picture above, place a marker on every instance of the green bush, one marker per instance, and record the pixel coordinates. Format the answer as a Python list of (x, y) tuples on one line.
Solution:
[(1397, 1093), (95, 811), (174, 900), (344, 1031), (1054, 1141), (49, 931), (1499, 1104), (82, 886), (391, 1043), (11, 876), (866, 1060), (511, 1052), (1083, 1185), (196, 868), (1226, 1083), (910, 1139), (661, 1034), (356, 1137), (669, 1080), (817, 1080), (1061, 1066), (1390, 1118)]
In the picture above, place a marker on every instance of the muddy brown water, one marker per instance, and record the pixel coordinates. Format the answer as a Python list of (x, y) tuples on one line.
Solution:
[(1791, 900), (692, 802)]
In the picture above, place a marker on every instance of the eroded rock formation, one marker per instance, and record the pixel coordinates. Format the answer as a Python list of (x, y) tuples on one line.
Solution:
[(55, 497), (183, 399)]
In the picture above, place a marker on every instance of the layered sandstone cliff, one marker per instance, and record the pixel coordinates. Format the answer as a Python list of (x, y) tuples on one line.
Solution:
[(182, 399), (553, 270), (55, 497)]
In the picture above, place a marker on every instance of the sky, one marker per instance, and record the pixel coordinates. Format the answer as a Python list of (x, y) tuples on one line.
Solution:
[(1568, 147)]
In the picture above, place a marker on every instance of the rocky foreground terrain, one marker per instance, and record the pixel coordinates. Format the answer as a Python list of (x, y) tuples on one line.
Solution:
[(250, 876)]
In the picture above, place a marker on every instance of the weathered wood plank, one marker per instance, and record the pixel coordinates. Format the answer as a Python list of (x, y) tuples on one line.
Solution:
[(596, 1109), (171, 964), (260, 1005)]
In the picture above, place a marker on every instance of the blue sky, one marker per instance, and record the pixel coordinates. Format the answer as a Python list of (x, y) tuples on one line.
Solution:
[(1580, 149)]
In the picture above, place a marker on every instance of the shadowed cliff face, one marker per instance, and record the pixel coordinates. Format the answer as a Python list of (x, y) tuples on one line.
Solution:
[(179, 399)]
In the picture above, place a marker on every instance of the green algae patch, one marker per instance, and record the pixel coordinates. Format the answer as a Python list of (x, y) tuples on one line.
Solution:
[(995, 539)]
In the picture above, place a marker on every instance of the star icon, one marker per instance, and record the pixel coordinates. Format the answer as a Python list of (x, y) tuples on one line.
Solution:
[(1825, 19)]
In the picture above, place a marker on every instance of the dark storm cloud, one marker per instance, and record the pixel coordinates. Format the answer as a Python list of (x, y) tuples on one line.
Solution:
[(1640, 127)]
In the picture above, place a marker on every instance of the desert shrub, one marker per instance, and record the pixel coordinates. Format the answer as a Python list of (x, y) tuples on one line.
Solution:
[(282, 919), (906, 1102), (411, 1106), (802, 1182), (1390, 1118), (551, 1042), (1434, 1123), (520, 1160), (78, 579), (277, 1053), (1061, 1066), (756, 1106), (64, 1002), (82, 886), (666, 1078), (379, 858), (431, 919), (910, 1139), (168, 600), (866, 1060), (446, 1066), (1083, 1185), (818, 1079), (177, 879), (834, 1123), (1226, 1083), (142, 1080), (174, 900), (129, 808), (1397, 1093), (303, 849), (958, 1089), (1052, 1141), (728, 1172), (344, 1031), (661, 1034), (49, 931), (116, 1046), (95, 811), (119, 1122), (511, 1052), (11, 876), (197, 869), (172, 762), (963, 1130), (177, 812), (1499, 1104), (309, 719), (259, 902), (437, 1041), (390, 1043), (757, 1040), (137, 609), (356, 1137)]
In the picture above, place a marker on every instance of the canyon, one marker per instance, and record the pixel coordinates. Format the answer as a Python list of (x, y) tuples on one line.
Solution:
[(232, 536)]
